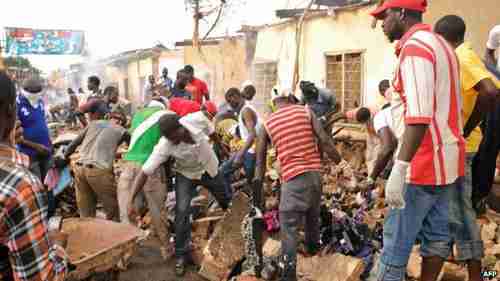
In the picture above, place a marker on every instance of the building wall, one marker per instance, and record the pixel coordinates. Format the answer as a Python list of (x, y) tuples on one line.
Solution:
[(173, 60), (347, 31), (351, 30), (137, 73), (480, 17), (222, 66), (115, 76)]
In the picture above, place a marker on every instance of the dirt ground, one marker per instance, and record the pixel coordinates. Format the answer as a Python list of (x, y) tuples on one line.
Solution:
[(147, 265)]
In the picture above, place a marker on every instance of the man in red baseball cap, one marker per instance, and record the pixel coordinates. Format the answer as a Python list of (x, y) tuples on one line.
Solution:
[(431, 153), (392, 13)]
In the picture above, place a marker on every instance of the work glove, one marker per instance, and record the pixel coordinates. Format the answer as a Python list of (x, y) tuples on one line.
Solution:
[(395, 187)]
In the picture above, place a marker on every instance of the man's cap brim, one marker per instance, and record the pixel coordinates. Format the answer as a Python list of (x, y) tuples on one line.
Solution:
[(379, 12)]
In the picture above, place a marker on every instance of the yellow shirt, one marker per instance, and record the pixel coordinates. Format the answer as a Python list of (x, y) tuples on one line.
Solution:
[(472, 71)]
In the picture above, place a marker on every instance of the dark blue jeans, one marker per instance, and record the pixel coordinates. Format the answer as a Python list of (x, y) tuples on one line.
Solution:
[(463, 226), (426, 216), (185, 189), (228, 169)]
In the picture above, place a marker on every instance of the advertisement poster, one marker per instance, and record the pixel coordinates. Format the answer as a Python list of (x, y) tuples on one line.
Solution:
[(27, 41)]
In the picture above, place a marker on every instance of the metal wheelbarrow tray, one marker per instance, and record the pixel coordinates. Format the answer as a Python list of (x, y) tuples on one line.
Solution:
[(96, 245)]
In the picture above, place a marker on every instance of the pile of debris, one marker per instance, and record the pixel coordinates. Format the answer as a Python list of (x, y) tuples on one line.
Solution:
[(351, 229)]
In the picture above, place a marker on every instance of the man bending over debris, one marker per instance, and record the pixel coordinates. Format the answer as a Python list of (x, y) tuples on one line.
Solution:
[(432, 150), (383, 125), (195, 164), (145, 132), (365, 116), (248, 124), (94, 175), (295, 131)]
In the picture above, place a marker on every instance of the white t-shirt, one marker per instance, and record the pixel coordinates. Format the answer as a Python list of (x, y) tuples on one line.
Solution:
[(494, 42), (382, 119), (197, 123)]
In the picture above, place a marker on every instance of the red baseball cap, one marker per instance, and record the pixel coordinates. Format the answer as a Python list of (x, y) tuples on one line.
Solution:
[(210, 107), (416, 5)]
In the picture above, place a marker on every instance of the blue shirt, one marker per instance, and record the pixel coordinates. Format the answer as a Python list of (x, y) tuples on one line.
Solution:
[(176, 93), (33, 123), (168, 83), (323, 104)]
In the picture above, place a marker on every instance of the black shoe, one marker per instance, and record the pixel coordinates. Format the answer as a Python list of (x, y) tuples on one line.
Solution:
[(180, 267)]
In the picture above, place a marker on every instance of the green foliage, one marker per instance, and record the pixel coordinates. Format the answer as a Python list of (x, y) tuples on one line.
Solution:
[(20, 62), (17, 62)]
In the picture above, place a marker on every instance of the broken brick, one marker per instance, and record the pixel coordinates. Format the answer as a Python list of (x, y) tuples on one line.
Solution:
[(321, 268), (226, 245), (488, 231), (271, 248)]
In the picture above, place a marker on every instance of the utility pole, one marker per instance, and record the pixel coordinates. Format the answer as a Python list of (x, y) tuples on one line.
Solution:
[(298, 40), (2, 66), (196, 33)]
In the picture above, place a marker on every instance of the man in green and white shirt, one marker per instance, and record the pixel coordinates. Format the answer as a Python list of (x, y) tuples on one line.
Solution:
[(145, 135)]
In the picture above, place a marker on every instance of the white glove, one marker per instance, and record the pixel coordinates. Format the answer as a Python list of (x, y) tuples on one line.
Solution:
[(394, 188)]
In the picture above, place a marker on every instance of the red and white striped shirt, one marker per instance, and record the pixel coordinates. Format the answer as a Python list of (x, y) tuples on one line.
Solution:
[(428, 81), (292, 135)]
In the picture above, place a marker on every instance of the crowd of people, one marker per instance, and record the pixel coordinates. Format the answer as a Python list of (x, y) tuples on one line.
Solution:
[(434, 139)]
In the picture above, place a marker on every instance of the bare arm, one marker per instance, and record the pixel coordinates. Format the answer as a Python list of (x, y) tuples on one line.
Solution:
[(126, 138), (250, 121), (389, 145), (412, 138), (485, 103), (325, 142), (138, 185), (490, 57), (40, 149), (74, 144), (261, 154)]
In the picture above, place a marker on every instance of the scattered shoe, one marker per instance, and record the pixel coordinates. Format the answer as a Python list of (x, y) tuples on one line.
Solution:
[(180, 267)]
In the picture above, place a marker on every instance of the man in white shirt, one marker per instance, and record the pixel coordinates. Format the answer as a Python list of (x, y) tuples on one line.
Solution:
[(249, 123), (195, 164), (384, 128), (492, 47), (148, 91)]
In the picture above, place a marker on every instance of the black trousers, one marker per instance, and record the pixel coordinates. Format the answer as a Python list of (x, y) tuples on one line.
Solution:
[(484, 164)]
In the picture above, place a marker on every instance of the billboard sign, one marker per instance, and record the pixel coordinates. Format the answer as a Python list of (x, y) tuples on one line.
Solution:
[(27, 41)]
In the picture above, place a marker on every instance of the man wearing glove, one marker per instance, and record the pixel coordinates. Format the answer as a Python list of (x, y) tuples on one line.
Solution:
[(295, 132), (432, 150)]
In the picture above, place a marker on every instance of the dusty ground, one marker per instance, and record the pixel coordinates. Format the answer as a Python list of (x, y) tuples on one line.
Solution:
[(147, 265)]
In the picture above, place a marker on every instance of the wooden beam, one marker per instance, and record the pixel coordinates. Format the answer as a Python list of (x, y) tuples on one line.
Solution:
[(290, 13), (202, 43), (298, 40), (335, 3), (196, 17)]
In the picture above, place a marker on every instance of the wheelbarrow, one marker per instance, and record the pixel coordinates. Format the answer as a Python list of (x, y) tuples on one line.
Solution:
[(98, 246)]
